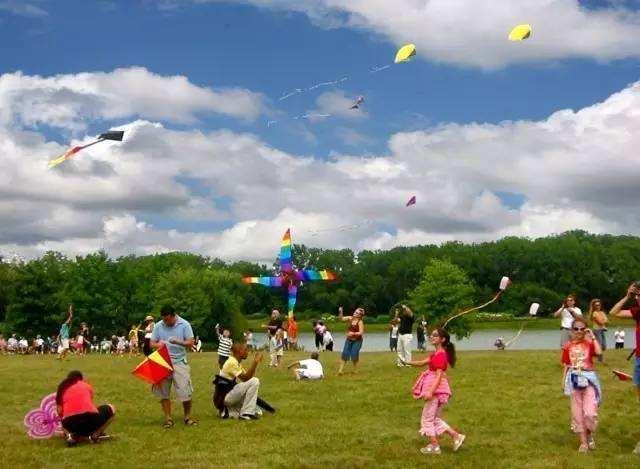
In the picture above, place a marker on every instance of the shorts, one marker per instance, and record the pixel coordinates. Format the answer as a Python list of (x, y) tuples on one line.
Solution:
[(181, 379), (64, 345), (351, 350), (619, 345), (636, 372), (88, 423)]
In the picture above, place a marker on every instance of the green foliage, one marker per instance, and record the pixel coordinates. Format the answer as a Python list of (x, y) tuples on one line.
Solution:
[(444, 289)]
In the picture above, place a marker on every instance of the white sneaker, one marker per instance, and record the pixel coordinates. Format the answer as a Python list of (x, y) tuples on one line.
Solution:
[(583, 449), (591, 443), (457, 442), (637, 450), (431, 449)]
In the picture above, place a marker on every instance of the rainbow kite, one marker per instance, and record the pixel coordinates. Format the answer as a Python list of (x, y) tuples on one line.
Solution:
[(289, 277), (156, 367), (115, 135)]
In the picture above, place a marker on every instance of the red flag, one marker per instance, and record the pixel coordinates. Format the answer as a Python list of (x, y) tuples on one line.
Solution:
[(622, 376), (156, 367), (412, 201)]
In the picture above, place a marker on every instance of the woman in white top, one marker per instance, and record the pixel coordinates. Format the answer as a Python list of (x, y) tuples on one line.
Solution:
[(567, 313)]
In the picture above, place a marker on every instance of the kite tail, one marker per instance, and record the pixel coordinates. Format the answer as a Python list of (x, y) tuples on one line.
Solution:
[(476, 308), (513, 339)]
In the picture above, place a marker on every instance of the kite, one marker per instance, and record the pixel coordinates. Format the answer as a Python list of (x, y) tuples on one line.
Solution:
[(504, 283), (289, 276), (622, 376), (520, 32), (356, 104), (411, 201), (43, 422), (115, 135), (156, 367), (404, 54), (533, 309)]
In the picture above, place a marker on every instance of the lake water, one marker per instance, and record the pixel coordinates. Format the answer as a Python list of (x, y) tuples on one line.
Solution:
[(479, 340)]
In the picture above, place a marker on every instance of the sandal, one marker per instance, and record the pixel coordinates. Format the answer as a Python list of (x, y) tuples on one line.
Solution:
[(189, 422), (168, 423)]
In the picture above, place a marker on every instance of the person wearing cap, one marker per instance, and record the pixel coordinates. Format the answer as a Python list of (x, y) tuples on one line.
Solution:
[(633, 294), (149, 323)]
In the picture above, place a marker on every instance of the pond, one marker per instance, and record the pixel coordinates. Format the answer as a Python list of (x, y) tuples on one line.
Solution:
[(479, 340)]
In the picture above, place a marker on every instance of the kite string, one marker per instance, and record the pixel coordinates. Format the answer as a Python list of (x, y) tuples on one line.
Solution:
[(513, 339), (497, 295)]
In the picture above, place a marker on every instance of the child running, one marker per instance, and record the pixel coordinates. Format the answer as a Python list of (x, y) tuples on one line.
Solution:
[(582, 383), (224, 345), (433, 387)]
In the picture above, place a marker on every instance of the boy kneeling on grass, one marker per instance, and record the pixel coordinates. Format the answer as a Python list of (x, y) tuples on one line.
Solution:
[(310, 368)]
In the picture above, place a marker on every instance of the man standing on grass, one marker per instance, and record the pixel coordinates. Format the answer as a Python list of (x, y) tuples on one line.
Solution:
[(568, 312), (405, 334), (63, 336), (633, 293), (176, 333)]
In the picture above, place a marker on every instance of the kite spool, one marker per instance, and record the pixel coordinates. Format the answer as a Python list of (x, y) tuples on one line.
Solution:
[(533, 309), (504, 283)]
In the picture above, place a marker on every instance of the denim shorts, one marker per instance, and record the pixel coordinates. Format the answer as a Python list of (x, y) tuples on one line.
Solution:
[(351, 350), (636, 372)]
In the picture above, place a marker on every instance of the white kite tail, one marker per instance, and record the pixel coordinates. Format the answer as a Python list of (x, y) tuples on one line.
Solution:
[(476, 308), (513, 339)]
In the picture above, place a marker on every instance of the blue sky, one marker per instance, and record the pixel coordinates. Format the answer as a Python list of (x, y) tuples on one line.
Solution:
[(285, 45)]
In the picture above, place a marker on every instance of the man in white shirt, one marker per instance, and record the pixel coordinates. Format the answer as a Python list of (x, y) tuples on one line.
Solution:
[(567, 313), (308, 369), (619, 335)]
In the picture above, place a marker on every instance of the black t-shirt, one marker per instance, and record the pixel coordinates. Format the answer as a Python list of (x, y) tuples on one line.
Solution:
[(406, 324), (274, 325)]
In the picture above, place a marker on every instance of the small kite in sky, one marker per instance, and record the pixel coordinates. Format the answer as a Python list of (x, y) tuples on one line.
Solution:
[(405, 53), (520, 32), (356, 104), (115, 135), (411, 201)]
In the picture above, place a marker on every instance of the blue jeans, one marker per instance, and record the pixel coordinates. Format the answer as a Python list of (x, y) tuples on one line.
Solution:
[(351, 350), (636, 372)]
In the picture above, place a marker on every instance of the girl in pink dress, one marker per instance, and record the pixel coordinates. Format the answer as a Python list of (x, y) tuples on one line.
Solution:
[(433, 386)]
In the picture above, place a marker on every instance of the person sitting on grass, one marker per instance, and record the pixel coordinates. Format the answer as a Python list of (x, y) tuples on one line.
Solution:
[(238, 399), (310, 368), (81, 419)]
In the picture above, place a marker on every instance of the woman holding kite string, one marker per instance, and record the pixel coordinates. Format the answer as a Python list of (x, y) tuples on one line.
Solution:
[(433, 387), (581, 382), (353, 343)]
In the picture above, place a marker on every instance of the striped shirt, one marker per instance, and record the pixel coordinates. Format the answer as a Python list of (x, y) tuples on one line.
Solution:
[(224, 345)]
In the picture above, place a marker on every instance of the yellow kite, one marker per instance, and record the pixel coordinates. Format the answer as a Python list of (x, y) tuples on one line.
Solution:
[(520, 32), (405, 53)]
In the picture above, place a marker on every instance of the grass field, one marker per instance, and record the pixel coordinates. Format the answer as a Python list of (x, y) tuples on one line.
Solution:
[(509, 404)]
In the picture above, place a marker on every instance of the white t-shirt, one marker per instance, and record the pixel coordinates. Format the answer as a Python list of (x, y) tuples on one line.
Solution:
[(619, 337), (39, 342), (312, 368), (327, 338), (566, 319), (394, 332)]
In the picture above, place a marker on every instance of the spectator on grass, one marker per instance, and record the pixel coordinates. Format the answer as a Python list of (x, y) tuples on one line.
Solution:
[(276, 348), (12, 344), (84, 330), (81, 419), (238, 399), (619, 337), (353, 342), (197, 346), (393, 334), (292, 330), (248, 338), (421, 331), (310, 368), (224, 344), (327, 340), (176, 333), (568, 312), (63, 336), (275, 323), (149, 324), (599, 322), (405, 334)]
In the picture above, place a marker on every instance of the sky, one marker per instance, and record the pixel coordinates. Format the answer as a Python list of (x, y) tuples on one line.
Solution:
[(494, 138)]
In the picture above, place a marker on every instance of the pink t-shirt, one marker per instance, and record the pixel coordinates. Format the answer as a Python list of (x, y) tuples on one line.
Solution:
[(438, 361), (579, 354), (78, 399)]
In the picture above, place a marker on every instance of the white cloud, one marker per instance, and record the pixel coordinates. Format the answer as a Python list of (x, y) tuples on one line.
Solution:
[(70, 101), (575, 169), (474, 33), (22, 8)]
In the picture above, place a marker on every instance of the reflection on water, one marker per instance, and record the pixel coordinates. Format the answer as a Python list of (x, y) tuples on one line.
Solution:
[(479, 340)]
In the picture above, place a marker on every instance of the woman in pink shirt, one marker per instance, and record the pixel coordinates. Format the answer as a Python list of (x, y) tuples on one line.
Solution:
[(81, 419), (433, 387)]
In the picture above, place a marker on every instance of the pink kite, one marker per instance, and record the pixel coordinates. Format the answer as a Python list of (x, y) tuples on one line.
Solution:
[(412, 201), (43, 422)]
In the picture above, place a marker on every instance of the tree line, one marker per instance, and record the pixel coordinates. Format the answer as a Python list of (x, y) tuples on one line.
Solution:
[(114, 294)]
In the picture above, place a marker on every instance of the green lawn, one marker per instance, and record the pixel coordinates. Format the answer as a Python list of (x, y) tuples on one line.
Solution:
[(508, 403)]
